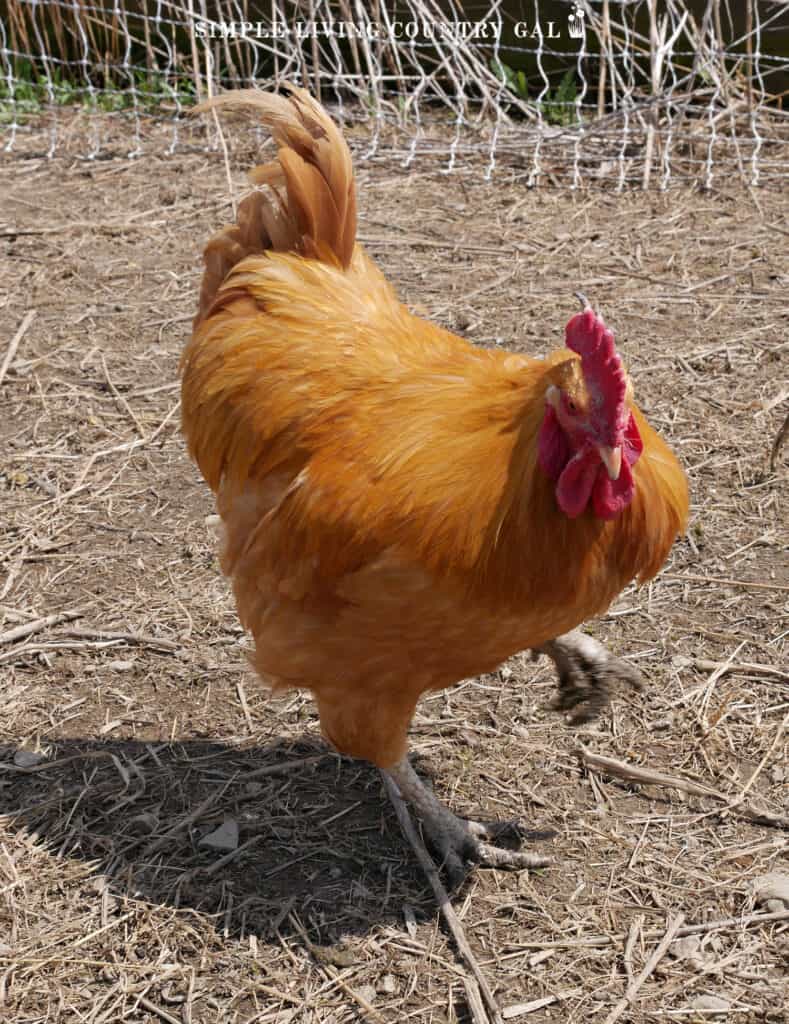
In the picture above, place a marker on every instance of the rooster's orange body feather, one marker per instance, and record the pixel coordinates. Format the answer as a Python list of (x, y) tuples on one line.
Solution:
[(388, 529)]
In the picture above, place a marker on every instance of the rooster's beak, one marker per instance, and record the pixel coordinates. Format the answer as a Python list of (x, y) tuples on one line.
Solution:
[(611, 459)]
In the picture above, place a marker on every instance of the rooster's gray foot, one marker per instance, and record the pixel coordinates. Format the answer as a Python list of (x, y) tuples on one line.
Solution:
[(587, 674), (458, 842)]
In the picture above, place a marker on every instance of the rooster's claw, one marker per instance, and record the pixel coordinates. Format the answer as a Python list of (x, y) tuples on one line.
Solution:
[(588, 674)]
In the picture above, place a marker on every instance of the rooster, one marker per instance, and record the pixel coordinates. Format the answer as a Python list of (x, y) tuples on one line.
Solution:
[(402, 510)]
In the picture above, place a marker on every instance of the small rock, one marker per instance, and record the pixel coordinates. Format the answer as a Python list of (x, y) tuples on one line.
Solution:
[(223, 838), (688, 950), (367, 993), (214, 528), (121, 666), (337, 956), (5, 949), (712, 1005), (28, 758), (771, 889), (684, 948), (143, 824), (388, 985), (410, 919), (170, 994)]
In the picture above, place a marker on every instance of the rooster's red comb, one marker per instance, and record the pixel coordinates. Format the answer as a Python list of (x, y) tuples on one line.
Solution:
[(604, 374)]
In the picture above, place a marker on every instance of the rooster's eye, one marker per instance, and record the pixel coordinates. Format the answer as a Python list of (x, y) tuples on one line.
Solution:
[(571, 406)]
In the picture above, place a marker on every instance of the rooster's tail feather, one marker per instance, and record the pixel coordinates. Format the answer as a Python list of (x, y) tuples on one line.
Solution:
[(305, 199)]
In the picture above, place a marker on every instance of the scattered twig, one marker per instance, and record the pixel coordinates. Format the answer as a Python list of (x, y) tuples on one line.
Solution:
[(632, 990), (115, 923), (242, 698), (720, 924), (488, 286), (14, 344), (333, 972), (127, 446), (431, 243), (780, 437), (356, 996), (727, 923), (521, 1009), (719, 279), (709, 687), (61, 762), (24, 651), (760, 766), (123, 404), (278, 769), (28, 628), (632, 937), (80, 225), (140, 639), (723, 581), (622, 770), (746, 667), (442, 898), (474, 1000), (185, 822), (158, 1010), (222, 862)]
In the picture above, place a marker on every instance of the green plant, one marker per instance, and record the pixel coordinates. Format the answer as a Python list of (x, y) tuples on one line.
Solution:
[(30, 92), (557, 107), (514, 80), (560, 108)]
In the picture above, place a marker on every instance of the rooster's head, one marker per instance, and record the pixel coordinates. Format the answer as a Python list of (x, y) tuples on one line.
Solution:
[(589, 438)]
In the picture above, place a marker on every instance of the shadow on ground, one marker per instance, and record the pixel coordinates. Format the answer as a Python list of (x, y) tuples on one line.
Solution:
[(318, 844)]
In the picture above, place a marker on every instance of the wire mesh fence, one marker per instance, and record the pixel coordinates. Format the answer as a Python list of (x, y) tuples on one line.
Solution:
[(618, 92)]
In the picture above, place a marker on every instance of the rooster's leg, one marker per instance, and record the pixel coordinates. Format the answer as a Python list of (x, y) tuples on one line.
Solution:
[(587, 674), (457, 840)]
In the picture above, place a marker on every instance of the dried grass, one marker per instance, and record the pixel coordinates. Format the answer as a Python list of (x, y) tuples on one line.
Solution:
[(153, 732)]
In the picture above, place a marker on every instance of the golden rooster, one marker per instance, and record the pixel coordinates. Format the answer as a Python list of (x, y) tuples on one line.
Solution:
[(402, 510)]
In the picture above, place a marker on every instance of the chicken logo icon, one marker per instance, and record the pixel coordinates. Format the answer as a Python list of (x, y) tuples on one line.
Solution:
[(575, 22)]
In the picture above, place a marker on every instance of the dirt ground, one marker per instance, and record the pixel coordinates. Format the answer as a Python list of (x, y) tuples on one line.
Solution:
[(133, 728)]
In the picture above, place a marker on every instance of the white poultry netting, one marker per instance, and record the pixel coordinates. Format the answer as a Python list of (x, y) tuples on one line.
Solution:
[(645, 93)]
